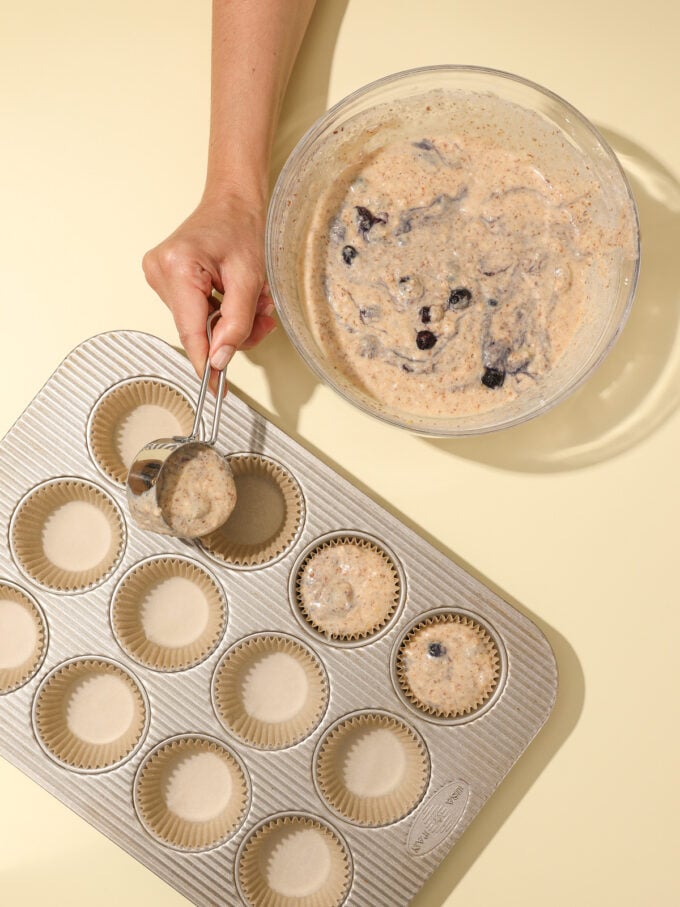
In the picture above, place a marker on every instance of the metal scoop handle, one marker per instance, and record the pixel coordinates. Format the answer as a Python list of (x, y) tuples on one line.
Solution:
[(207, 371)]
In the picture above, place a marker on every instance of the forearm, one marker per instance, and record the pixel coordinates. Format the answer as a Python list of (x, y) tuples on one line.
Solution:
[(254, 46)]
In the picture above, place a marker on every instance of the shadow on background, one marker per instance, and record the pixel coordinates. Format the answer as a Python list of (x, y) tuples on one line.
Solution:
[(637, 387), (291, 383), (527, 770)]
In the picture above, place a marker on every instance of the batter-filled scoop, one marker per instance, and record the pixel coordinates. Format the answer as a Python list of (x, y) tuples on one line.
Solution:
[(184, 486)]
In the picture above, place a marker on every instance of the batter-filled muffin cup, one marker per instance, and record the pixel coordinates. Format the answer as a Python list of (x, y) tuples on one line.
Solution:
[(168, 613), (67, 534), (266, 519), (269, 690), (347, 587), (23, 637), (129, 415), (294, 861), (372, 768), (191, 793), (448, 665), (90, 714)]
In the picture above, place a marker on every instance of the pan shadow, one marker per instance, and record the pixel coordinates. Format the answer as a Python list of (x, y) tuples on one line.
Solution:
[(562, 721)]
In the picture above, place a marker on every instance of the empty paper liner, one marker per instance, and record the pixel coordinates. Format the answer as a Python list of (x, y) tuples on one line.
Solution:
[(191, 793), (90, 714), (270, 691), (67, 534), (347, 587), (448, 665), (294, 861), (168, 613), (267, 516), (372, 768), (23, 637), (128, 416)]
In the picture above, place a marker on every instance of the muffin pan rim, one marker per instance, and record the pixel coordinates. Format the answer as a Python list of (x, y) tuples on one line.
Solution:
[(133, 379), (45, 631), (56, 480), (385, 714), (365, 640), (502, 668), (154, 558), (120, 763), (178, 738), (273, 634), (294, 814), (301, 522)]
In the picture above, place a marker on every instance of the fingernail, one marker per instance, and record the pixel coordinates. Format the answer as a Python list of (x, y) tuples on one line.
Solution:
[(221, 357), (269, 310)]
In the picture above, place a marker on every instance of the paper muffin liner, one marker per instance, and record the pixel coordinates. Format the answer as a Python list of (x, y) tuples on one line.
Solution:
[(465, 666), (189, 808), (96, 734), (266, 519), (266, 879), (180, 639), (283, 725), (390, 780), (341, 624), (19, 658), (74, 567), (116, 412)]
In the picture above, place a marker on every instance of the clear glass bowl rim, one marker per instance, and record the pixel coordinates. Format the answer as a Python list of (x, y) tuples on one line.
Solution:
[(288, 170)]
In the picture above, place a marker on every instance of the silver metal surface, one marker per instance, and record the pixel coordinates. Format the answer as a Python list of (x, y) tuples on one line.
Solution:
[(144, 477), (467, 761)]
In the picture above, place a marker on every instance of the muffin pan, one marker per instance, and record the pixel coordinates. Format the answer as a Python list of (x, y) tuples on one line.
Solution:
[(239, 736)]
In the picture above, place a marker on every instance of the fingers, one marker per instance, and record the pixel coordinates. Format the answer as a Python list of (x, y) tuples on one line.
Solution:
[(242, 288), (184, 286)]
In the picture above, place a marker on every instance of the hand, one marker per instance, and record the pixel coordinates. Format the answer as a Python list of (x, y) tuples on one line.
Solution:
[(220, 246)]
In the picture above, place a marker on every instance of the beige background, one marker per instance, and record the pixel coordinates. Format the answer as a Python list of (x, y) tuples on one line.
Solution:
[(573, 517)]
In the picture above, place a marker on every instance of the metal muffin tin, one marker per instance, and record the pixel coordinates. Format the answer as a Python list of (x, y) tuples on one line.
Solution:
[(466, 759)]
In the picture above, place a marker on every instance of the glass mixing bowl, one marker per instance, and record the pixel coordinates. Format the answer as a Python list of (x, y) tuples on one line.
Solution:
[(525, 121)]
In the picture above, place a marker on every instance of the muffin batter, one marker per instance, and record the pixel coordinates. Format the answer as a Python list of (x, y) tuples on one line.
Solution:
[(449, 667), (347, 589), (189, 491), (196, 491), (448, 270)]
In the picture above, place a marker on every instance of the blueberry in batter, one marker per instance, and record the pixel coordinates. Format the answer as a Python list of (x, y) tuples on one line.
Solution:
[(494, 247)]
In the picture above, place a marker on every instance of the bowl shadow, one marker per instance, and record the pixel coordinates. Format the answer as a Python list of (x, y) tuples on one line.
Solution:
[(637, 387)]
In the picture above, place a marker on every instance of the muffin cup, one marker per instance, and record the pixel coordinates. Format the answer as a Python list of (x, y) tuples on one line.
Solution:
[(23, 637), (191, 793), (67, 535), (491, 664), (294, 861), (166, 629), (341, 625), (266, 667), (90, 714), (266, 519), (371, 768), (130, 414)]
